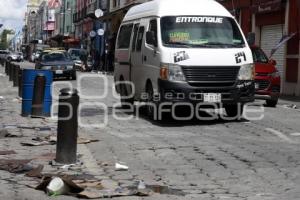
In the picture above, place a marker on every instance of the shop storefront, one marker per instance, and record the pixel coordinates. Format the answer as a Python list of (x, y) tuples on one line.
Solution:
[(272, 21)]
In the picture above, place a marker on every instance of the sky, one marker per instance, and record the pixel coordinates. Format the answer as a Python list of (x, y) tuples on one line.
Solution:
[(12, 14)]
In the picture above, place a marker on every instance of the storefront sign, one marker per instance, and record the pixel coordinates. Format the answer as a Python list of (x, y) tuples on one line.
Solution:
[(269, 6), (51, 15), (49, 26)]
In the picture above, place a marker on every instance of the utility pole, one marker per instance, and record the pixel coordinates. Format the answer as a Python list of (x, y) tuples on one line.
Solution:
[(64, 16)]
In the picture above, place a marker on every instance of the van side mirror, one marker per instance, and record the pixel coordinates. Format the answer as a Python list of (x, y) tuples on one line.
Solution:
[(150, 38), (272, 62), (251, 38)]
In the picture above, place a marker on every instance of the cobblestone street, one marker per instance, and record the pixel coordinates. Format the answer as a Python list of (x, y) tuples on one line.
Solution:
[(216, 159)]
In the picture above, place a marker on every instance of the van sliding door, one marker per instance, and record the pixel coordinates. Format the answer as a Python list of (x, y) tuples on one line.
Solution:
[(137, 61)]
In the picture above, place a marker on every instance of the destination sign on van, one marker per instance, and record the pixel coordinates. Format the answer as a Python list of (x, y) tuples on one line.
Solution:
[(218, 20)]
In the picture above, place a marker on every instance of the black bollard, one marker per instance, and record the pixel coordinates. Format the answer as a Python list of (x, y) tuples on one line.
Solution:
[(6, 68), (11, 66), (38, 96), (20, 85), (67, 128), (16, 76)]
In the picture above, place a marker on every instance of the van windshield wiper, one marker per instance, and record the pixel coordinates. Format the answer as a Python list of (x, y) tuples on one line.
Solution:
[(223, 44), (180, 44)]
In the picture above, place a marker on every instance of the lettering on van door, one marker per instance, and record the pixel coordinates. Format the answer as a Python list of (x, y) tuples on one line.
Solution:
[(240, 56), (180, 56)]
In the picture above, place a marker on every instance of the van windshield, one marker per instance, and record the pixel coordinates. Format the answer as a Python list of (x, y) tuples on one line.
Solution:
[(201, 31)]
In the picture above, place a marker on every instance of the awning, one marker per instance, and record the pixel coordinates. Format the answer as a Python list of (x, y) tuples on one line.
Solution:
[(59, 37), (269, 6), (71, 41)]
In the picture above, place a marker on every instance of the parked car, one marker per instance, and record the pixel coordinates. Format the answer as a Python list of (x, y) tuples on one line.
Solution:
[(35, 55), (76, 55), (14, 56), (267, 78), (21, 55), (3, 54), (58, 61)]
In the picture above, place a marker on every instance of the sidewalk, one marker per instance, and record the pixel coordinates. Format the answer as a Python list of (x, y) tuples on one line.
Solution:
[(98, 179), (15, 130)]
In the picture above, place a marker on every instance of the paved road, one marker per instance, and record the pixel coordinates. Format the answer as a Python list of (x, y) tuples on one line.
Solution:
[(208, 160), (216, 159)]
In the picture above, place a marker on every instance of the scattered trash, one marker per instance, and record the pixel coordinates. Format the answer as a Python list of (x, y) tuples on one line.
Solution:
[(2, 75), (91, 193), (1, 97), (10, 126), (6, 134), (291, 106), (86, 186), (37, 172), (121, 167), (85, 140), (89, 184), (35, 143), (52, 139), (67, 166), (7, 152), (15, 166), (63, 166), (295, 134), (57, 187), (141, 185)]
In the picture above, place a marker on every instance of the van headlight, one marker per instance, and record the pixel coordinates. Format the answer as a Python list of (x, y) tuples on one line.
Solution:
[(69, 66), (46, 67), (247, 72), (171, 72)]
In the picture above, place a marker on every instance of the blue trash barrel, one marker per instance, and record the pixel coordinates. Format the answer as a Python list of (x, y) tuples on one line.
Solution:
[(28, 78)]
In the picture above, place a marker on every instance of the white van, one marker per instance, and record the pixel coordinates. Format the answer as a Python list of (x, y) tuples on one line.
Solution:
[(183, 51)]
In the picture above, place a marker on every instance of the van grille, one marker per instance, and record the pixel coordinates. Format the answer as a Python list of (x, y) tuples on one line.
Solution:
[(221, 76)]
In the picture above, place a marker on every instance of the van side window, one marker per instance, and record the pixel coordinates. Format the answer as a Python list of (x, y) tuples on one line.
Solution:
[(124, 36), (135, 31), (140, 36), (153, 27)]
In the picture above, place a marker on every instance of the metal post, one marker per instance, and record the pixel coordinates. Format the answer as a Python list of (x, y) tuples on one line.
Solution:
[(6, 67), (11, 66), (20, 83), (16, 76), (38, 96), (67, 128)]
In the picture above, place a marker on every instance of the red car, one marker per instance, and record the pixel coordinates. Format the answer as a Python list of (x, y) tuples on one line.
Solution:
[(267, 79)]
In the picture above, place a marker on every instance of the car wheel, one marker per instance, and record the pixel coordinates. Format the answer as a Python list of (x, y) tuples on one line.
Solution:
[(271, 103), (234, 111), (125, 102), (9, 59)]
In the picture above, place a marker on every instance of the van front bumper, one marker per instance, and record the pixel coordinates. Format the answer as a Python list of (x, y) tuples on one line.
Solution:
[(240, 92)]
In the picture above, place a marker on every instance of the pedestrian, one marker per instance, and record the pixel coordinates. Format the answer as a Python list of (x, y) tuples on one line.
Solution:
[(83, 58)]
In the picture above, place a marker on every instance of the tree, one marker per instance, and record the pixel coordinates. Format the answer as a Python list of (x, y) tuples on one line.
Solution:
[(3, 37)]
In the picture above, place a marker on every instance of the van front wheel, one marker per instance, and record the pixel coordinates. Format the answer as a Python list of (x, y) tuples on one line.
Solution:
[(234, 111)]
